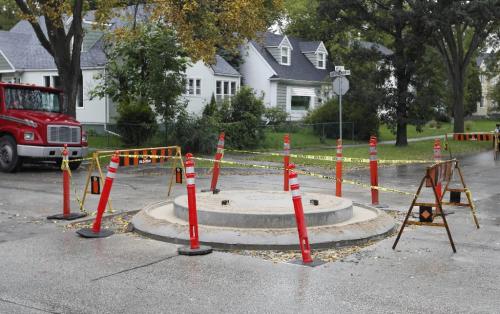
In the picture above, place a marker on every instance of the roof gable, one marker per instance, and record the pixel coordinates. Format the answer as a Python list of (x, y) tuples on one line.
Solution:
[(285, 43), (299, 69)]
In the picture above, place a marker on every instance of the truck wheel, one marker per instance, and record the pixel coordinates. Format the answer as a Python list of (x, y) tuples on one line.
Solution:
[(73, 165), (9, 160)]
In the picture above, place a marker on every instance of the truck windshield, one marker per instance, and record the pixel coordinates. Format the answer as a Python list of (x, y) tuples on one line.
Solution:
[(31, 99)]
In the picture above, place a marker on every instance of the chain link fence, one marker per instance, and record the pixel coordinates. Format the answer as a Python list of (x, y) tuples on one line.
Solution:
[(302, 135)]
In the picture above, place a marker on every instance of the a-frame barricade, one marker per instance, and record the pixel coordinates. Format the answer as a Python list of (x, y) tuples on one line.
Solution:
[(438, 173), (135, 157), (455, 193)]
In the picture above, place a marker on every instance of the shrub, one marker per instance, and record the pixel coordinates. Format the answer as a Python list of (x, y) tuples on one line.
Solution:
[(136, 123), (432, 124), (195, 134), (275, 116), (240, 118)]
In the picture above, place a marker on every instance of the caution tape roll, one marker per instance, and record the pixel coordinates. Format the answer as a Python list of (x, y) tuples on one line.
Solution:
[(312, 174), (333, 158)]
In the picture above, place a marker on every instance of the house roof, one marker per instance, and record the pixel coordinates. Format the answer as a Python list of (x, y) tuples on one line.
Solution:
[(309, 46), (23, 50), (300, 69), (222, 67)]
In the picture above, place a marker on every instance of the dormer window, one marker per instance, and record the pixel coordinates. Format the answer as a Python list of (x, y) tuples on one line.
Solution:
[(321, 60), (285, 55)]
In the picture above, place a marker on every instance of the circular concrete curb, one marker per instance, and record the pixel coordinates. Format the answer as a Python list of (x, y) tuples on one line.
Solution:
[(263, 209), (352, 232)]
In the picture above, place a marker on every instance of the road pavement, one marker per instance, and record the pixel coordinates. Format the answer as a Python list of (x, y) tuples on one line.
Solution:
[(47, 269)]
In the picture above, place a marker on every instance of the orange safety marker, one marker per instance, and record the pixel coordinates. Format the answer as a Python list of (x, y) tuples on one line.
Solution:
[(338, 170), (95, 231), (218, 157), (286, 161), (136, 158), (373, 169), (299, 217), (66, 215), (162, 153), (194, 248)]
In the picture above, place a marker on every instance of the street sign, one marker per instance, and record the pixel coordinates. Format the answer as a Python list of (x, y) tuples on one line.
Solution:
[(340, 86)]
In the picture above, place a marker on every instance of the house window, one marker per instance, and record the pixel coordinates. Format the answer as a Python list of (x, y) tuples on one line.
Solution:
[(218, 88), (193, 87), (46, 81), (321, 60), (56, 81), (198, 87), (224, 89), (300, 102), (233, 88), (285, 55)]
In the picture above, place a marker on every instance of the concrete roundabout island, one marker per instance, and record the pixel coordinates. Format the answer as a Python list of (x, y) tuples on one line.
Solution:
[(257, 219)]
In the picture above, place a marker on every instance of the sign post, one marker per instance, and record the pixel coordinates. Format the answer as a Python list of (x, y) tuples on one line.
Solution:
[(340, 87)]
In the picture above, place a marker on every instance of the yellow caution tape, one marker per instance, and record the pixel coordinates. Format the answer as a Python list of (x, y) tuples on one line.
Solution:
[(334, 158), (310, 174)]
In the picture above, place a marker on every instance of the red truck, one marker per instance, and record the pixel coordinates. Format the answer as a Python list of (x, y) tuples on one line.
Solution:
[(32, 127)]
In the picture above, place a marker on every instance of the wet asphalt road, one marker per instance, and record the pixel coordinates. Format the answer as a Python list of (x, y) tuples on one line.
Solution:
[(44, 269)]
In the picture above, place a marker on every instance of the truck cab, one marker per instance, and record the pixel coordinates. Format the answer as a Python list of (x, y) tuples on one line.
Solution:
[(33, 127)]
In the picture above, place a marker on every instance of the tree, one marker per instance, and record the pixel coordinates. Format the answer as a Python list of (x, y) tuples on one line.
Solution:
[(458, 29), (200, 25), (8, 16), (363, 99), (145, 68), (402, 26)]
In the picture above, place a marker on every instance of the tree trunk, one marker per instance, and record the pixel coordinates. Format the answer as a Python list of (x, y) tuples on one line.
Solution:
[(401, 134), (69, 81), (458, 86)]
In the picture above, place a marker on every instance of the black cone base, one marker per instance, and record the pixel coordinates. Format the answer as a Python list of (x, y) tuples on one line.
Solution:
[(202, 250), (88, 233), (71, 216), (314, 263)]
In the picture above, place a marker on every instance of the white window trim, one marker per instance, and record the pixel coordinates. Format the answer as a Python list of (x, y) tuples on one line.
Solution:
[(194, 94), (288, 53), (321, 57), (222, 94)]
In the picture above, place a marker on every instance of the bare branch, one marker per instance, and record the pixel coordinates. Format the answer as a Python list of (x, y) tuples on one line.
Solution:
[(36, 26)]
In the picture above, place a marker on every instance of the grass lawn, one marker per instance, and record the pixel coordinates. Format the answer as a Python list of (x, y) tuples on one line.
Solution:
[(422, 150), (305, 138), (475, 126)]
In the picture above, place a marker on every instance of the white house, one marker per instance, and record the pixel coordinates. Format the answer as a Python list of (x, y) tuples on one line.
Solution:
[(24, 60), (291, 73), (486, 105), (203, 81)]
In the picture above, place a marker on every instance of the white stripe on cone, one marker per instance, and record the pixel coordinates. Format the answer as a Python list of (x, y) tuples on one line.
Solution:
[(190, 181), (113, 164), (294, 181), (189, 170), (111, 175), (295, 193)]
